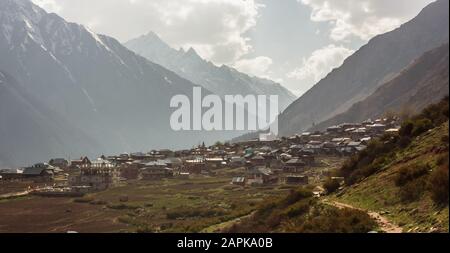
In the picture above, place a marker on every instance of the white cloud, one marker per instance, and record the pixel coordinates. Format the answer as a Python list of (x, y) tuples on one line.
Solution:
[(215, 28), (319, 64), (257, 66), (363, 18)]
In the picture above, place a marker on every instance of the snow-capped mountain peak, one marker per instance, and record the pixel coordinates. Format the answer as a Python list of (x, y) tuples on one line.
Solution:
[(115, 96), (221, 80)]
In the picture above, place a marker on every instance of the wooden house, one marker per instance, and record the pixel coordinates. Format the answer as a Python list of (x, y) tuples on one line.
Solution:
[(81, 163), (295, 180), (97, 179), (59, 162), (294, 165)]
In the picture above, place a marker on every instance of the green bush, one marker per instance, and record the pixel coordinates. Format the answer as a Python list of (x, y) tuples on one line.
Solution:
[(439, 185), (404, 141), (296, 196), (266, 208), (145, 229), (335, 220), (443, 160), (406, 129), (408, 174), (412, 191), (368, 161), (189, 213), (445, 139), (331, 185), (298, 209), (421, 126)]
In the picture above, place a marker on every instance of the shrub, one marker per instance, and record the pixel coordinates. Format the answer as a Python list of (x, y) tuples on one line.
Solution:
[(412, 191), (438, 185), (338, 221), (194, 213), (295, 196), (445, 139), (408, 174), (266, 209), (298, 209), (145, 229), (274, 220), (404, 141), (331, 185), (407, 128), (443, 160), (421, 126)]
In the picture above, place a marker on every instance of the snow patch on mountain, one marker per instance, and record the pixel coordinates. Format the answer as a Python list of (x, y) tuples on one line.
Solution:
[(94, 108)]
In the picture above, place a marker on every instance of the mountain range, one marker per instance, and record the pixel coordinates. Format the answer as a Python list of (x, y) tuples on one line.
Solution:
[(222, 80), (423, 82), (361, 74), (117, 98), (66, 91)]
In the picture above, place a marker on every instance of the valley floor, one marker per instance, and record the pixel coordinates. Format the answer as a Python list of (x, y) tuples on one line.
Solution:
[(195, 205)]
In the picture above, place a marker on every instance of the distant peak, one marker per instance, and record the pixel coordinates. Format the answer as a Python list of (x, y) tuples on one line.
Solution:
[(191, 51), (153, 38), (193, 54), (152, 34)]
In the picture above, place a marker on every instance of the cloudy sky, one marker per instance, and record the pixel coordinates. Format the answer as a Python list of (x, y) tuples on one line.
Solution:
[(294, 42)]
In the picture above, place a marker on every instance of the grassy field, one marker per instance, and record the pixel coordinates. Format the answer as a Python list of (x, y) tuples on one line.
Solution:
[(173, 205), (200, 204), (183, 206)]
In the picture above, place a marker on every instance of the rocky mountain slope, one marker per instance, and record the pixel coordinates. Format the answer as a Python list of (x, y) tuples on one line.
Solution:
[(30, 131), (422, 83), (119, 99), (370, 67)]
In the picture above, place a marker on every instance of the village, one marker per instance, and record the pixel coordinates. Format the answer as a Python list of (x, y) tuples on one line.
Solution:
[(287, 161)]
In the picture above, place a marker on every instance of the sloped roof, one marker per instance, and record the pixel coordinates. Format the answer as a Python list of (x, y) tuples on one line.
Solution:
[(34, 171), (295, 161)]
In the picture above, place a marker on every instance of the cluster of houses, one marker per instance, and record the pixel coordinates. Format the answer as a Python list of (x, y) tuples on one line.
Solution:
[(268, 161)]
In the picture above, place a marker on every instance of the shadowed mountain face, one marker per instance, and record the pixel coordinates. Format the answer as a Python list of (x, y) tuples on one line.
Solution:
[(369, 68), (422, 83), (119, 99), (30, 131), (219, 80)]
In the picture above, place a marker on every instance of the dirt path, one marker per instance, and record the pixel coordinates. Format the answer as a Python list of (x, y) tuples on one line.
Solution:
[(219, 228), (14, 195), (385, 225)]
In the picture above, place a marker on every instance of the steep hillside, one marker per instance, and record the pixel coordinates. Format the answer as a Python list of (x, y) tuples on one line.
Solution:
[(369, 68), (423, 82), (30, 132), (405, 177), (300, 212), (400, 183), (220, 80)]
